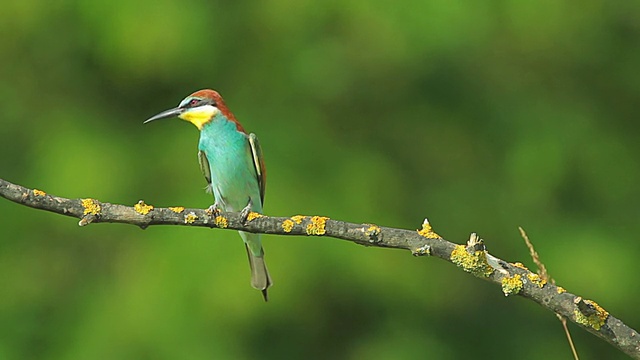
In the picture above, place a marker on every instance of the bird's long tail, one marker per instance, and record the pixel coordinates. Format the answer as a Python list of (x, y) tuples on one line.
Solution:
[(260, 278)]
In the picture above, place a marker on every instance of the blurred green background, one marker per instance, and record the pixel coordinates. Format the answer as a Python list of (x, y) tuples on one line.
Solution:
[(481, 116)]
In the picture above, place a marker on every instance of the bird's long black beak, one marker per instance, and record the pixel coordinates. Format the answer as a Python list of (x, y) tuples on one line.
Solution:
[(166, 114)]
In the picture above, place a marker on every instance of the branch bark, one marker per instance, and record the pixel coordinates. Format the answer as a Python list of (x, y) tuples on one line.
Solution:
[(514, 279)]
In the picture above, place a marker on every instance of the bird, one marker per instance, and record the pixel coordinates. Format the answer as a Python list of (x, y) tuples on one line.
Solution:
[(233, 166)]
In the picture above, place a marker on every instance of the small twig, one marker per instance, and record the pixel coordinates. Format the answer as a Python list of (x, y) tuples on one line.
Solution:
[(542, 271)]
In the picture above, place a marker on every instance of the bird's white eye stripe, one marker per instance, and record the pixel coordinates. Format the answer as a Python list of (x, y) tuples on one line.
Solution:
[(190, 102), (193, 102)]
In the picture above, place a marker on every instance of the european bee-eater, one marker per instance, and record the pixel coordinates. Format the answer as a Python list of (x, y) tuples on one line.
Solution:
[(232, 163)]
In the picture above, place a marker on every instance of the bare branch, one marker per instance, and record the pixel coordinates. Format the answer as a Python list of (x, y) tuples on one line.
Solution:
[(472, 257)]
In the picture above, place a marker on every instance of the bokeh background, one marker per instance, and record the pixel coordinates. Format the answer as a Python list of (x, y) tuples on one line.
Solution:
[(481, 116)]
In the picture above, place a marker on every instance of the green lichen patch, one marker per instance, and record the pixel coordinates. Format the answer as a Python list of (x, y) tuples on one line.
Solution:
[(475, 263), (595, 320), (512, 285)]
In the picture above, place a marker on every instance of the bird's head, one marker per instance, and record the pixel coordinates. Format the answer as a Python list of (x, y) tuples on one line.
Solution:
[(199, 109)]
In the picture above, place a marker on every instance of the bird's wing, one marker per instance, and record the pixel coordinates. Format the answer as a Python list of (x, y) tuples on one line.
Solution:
[(204, 167), (258, 163)]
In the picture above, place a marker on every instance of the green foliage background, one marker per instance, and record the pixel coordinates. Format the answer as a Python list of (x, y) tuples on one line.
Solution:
[(481, 116)]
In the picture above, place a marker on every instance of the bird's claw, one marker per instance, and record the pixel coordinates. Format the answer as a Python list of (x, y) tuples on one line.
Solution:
[(214, 210), (244, 214)]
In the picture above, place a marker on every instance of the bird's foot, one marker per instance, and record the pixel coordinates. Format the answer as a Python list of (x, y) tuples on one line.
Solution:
[(214, 210), (244, 214)]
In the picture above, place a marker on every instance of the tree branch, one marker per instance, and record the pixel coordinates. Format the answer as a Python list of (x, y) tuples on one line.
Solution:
[(514, 279)]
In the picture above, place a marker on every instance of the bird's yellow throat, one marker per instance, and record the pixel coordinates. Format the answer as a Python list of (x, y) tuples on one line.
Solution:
[(200, 116)]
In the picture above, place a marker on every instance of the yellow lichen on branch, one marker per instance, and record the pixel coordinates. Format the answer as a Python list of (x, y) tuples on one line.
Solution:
[(37, 192), (316, 225), (253, 215), (520, 265), (221, 222), (190, 218), (475, 263), (177, 209), (287, 225), (372, 232), (91, 206), (595, 320), (427, 231), (536, 279), (298, 219), (142, 208), (512, 285)]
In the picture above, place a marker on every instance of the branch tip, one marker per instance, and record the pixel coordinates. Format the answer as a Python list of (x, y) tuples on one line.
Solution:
[(427, 230), (475, 243), (86, 220)]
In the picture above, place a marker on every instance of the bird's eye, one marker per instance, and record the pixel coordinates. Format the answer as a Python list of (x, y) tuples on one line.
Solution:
[(194, 102)]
